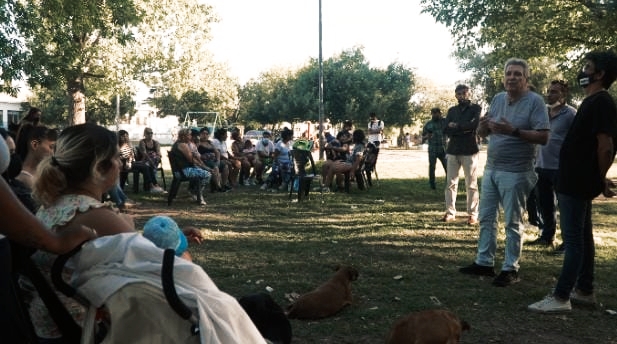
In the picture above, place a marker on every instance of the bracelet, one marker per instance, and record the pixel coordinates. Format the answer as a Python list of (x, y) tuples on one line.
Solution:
[(516, 132)]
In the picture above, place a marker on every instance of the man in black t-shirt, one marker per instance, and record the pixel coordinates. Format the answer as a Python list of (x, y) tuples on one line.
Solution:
[(586, 155)]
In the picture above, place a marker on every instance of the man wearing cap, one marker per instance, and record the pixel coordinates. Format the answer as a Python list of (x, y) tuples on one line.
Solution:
[(432, 133), (375, 130), (461, 124)]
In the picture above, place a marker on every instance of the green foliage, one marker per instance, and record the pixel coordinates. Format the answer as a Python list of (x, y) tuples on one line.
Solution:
[(99, 48), (489, 32), (352, 89)]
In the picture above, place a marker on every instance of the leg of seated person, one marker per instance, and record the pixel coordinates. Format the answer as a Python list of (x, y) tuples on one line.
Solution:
[(257, 166), (203, 177), (224, 169), (234, 171), (337, 167)]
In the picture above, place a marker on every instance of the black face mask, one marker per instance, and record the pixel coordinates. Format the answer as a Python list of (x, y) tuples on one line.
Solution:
[(464, 102), (584, 79), (14, 167)]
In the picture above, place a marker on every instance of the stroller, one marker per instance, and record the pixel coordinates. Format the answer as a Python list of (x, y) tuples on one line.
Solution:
[(370, 161), (124, 276)]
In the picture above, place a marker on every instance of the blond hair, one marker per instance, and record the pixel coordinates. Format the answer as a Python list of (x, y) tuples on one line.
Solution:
[(83, 153)]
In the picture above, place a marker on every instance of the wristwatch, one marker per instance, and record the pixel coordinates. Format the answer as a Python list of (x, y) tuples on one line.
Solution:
[(516, 132)]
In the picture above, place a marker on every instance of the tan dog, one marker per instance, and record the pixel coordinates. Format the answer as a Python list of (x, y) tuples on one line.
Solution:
[(327, 299), (436, 326)]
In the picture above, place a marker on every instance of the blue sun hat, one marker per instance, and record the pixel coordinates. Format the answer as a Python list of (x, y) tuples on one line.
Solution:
[(164, 232)]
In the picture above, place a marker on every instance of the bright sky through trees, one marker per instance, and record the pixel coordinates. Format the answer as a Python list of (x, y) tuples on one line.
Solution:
[(256, 36)]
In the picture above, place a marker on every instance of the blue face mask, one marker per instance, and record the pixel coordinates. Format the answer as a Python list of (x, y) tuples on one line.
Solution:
[(265, 141)]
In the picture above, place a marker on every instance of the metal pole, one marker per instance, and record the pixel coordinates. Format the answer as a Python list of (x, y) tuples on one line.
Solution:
[(117, 112), (321, 137)]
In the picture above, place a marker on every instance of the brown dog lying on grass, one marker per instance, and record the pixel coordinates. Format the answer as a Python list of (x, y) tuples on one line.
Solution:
[(435, 326), (327, 299)]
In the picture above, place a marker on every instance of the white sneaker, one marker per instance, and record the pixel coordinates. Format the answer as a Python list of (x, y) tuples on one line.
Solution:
[(577, 298), (264, 186), (157, 189), (550, 304)]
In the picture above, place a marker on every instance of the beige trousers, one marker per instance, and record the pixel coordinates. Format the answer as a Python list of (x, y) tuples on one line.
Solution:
[(470, 169)]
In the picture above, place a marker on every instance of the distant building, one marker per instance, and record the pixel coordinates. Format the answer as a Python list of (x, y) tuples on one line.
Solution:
[(10, 110)]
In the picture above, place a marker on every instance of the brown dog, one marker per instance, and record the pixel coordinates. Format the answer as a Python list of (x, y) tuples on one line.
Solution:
[(327, 299), (436, 326)]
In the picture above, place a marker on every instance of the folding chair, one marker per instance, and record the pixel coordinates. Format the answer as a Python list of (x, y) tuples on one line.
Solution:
[(301, 180), (359, 176)]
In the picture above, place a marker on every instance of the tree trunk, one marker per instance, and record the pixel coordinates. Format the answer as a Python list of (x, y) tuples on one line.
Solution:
[(77, 101)]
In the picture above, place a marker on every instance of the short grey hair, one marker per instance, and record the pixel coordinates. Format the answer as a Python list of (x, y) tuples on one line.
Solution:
[(518, 62)]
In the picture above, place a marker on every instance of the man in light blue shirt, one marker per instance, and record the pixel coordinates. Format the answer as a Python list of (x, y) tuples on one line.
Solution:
[(547, 161), (517, 121)]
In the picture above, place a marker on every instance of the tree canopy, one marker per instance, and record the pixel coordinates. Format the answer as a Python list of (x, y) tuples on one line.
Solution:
[(487, 32), (96, 50), (352, 89)]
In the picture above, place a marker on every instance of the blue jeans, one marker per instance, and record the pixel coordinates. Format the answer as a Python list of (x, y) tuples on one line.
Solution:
[(510, 190), (577, 233), (546, 202), (117, 195)]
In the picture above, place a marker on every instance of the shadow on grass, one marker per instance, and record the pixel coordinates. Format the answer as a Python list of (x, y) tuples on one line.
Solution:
[(257, 239)]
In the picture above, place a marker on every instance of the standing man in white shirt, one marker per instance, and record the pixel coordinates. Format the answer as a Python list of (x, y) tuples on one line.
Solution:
[(375, 130)]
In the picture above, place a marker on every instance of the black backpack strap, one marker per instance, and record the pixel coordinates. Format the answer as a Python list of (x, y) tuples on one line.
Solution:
[(169, 289), (71, 332)]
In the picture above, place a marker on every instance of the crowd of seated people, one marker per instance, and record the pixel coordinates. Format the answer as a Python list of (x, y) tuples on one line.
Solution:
[(143, 159)]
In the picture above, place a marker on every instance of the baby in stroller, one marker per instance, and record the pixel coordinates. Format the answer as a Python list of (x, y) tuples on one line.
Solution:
[(121, 270)]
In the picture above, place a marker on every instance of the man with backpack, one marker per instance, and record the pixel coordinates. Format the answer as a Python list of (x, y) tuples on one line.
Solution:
[(375, 130)]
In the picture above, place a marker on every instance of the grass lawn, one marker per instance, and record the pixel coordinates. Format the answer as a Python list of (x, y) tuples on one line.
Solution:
[(257, 240)]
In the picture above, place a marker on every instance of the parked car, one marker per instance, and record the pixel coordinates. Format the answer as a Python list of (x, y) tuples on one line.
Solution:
[(254, 136)]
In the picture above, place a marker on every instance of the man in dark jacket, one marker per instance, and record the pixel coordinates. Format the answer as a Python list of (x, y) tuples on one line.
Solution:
[(461, 124)]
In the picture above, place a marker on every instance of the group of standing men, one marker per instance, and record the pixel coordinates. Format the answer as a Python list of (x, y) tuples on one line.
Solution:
[(576, 150)]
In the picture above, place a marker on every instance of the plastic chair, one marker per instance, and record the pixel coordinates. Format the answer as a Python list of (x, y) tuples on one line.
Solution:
[(370, 163), (301, 180), (359, 175), (178, 178), (136, 170)]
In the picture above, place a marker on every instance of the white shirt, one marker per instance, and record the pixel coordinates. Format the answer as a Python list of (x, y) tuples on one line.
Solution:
[(222, 147), (377, 124), (267, 149)]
